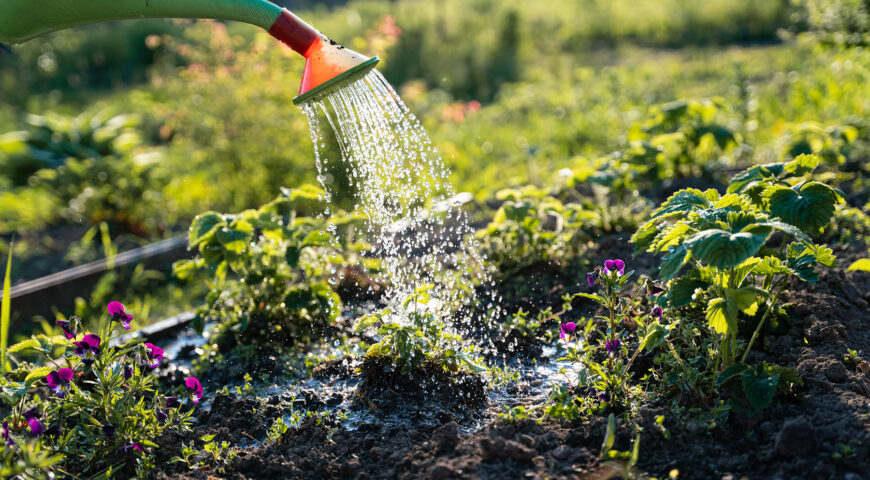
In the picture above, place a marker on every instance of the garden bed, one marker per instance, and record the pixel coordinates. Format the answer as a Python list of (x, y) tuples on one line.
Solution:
[(821, 431)]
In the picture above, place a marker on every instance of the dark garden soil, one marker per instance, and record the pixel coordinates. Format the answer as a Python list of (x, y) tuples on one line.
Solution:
[(823, 432)]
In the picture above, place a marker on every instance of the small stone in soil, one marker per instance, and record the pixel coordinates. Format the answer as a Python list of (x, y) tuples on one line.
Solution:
[(446, 436)]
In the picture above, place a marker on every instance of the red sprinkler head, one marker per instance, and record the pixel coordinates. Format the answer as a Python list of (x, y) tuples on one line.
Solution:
[(328, 65)]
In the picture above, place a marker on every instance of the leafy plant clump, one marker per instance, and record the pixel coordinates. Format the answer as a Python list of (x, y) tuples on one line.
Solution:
[(731, 256), (91, 408), (273, 274), (416, 352)]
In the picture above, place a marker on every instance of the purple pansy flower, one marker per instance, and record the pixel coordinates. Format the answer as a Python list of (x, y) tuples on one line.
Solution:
[(155, 353), (116, 310), (615, 265), (7, 438), (653, 290), (88, 348), (128, 372), (172, 402), (68, 331), (161, 416), (36, 427), (58, 380), (657, 312), (567, 328), (604, 396), (131, 446), (591, 278), (611, 345), (193, 384)]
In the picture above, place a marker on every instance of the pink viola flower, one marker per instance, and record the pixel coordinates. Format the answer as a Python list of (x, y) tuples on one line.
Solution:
[(612, 346), (155, 355), (68, 330), (36, 427), (193, 384), (567, 329), (615, 265), (131, 446), (59, 380), (88, 348), (116, 310), (7, 438), (591, 278)]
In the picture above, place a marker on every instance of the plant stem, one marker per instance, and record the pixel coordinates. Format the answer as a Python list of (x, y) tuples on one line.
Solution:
[(760, 325)]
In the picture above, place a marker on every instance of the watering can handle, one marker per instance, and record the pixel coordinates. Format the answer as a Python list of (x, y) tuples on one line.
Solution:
[(21, 20)]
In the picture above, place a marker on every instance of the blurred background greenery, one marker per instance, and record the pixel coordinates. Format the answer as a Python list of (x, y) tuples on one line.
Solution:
[(116, 135)]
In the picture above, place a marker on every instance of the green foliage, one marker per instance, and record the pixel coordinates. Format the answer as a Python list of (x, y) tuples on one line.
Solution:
[(273, 272), (416, 337), (110, 403), (754, 388), (5, 311)]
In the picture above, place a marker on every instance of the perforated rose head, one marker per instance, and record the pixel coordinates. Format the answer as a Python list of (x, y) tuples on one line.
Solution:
[(193, 384), (58, 381), (615, 265), (155, 354), (88, 348), (567, 329), (116, 310)]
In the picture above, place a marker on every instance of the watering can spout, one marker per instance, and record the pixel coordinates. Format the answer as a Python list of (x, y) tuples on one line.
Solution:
[(328, 65)]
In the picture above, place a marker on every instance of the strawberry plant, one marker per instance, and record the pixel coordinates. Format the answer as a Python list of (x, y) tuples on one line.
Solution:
[(272, 271)]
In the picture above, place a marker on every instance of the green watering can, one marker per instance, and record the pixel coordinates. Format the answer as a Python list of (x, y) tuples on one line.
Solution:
[(327, 65)]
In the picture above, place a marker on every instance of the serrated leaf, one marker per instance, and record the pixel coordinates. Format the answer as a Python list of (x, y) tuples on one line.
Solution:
[(203, 227), (719, 318), (24, 345), (730, 372), (686, 200), (723, 249), (673, 261), (669, 237), (770, 266), (809, 207), (37, 373), (751, 176), (654, 337), (801, 165), (759, 391), (682, 289)]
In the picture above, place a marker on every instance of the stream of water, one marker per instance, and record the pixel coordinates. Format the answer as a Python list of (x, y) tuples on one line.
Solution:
[(419, 229)]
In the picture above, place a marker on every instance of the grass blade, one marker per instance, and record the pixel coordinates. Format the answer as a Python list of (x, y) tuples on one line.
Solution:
[(5, 311)]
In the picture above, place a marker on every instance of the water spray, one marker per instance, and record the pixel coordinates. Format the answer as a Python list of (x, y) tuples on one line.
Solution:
[(328, 65)]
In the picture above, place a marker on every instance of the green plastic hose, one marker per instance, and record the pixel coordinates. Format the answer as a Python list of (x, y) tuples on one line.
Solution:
[(21, 20)]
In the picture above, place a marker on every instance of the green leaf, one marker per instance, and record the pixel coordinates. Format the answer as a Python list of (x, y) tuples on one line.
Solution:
[(686, 200), (802, 260), (203, 227), (809, 206), (24, 345), (670, 237), (770, 266), (232, 239), (673, 261), (682, 289), (317, 238), (862, 264), (594, 297), (801, 165), (719, 318), (723, 249), (292, 255), (654, 337), (37, 373), (759, 390), (730, 372), (751, 176), (609, 436)]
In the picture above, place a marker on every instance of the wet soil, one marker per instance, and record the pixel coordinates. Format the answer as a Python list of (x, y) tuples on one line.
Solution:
[(820, 432)]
